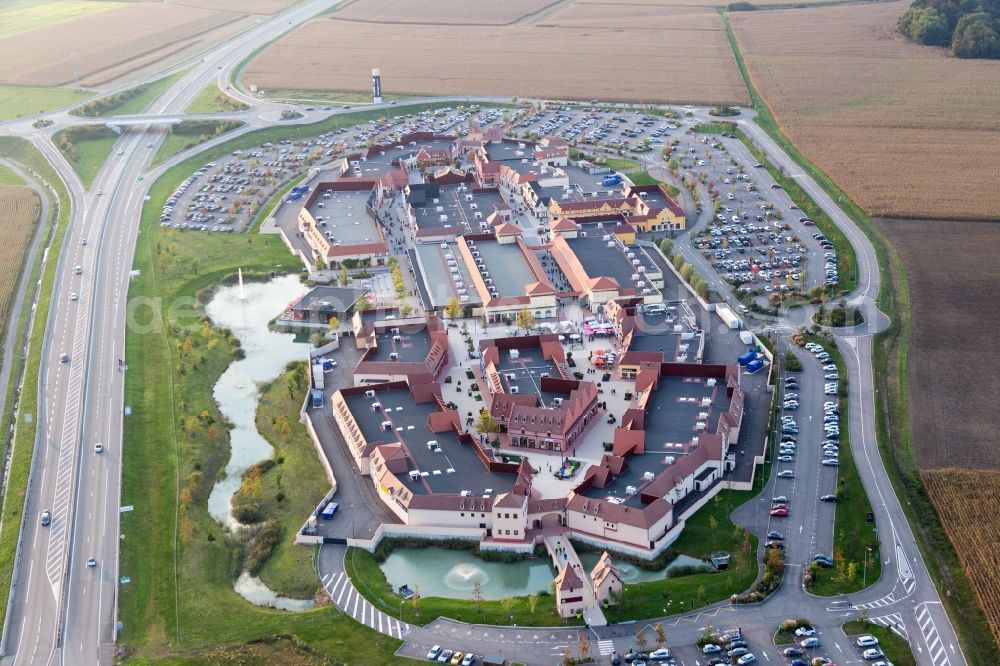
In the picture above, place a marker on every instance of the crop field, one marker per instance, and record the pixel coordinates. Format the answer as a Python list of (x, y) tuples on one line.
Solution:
[(564, 62), (665, 17), (904, 130), (22, 15), (953, 363), (245, 6), (19, 209), (629, 6), (147, 35), (437, 12), (964, 500)]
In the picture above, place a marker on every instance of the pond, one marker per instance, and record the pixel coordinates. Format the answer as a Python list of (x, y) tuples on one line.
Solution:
[(267, 353), (453, 574)]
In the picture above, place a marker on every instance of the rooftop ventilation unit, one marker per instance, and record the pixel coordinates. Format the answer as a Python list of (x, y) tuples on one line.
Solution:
[(583, 234), (631, 490), (647, 292), (611, 243), (630, 255), (397, 338), (710, 382), (515, 389), (648, 476), (439, 209), (444, 246), (394, 330), (393, 356), (376, 406), (557, 401), (468, 197), (511, 376), (606, 237), (475, 253), (369, 394), (702, 416), (414, 474), (463, 299), (466, 493), (700, 425), (705, 402), (489, 281), (387, 425), (432, 445)]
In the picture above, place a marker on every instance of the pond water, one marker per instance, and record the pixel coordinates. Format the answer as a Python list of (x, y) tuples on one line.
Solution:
[(246, 310), (453, 574), (267, 353)]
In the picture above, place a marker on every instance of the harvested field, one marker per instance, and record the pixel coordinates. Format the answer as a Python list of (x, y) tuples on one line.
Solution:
[(632, 5), (964, 499), (147, 33), (649, 16), (564, 62), (905, 130), (19, 208), (438, 12), (21, 15), (243, 6), (953, 361)]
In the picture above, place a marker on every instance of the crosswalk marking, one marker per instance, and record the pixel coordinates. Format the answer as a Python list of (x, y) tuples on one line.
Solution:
[(350, 601), (605, 647)]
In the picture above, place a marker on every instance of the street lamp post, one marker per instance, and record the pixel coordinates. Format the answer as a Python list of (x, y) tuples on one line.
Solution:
[(864, 577)]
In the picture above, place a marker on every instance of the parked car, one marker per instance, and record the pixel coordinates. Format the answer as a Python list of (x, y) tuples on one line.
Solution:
[(737, 652), (872, 654), (811, 642), (780, 512), (661, 654), (830, 498), (792, 652), (746, 660), (866, 640), (711, 648), (786, 474), (805, 630), (775, 535), (445, 656)]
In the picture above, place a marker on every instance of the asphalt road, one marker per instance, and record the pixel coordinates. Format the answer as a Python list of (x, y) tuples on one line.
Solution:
[(63, 611)]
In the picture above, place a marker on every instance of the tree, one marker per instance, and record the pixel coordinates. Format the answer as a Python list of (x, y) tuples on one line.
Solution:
[(661, 635), (320, 264), (976, 36), (364, 304), (713, 524), (926, 25), (333, 323), (640, 638), (344, 278), (415, 600), (532, 602), (526, 320), (507, 604), (584, 644), (487, 423), (453, 309), (852, 571), (406, 310)]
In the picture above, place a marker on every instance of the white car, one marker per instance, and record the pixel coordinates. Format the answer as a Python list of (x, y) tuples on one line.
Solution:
[(802, 632), (433, 653), (73, 296), (746, 660), (867, 640), (711, 648), (662, 654), (872, 653), (98, 448)]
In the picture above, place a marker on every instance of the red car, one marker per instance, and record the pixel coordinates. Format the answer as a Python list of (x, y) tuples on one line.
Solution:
[(780, 512)]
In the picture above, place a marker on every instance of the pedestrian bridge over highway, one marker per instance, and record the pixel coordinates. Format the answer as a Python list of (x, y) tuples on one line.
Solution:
[(152, 119)]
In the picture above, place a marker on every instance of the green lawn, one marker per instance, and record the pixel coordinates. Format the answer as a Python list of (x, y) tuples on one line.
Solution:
[(896, 649), (643, 178), (852, 534), (18, 101), (213, 100), (289, 491), (621, 164), (181, 562), (699, 539), (9, 178), (129, 101), (23, 15), (713, 127), (177, 140), (323, 97), (89, 152), (369, 580), (23, 152)]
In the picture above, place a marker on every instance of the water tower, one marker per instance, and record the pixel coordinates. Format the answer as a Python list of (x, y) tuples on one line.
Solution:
[(377, 86)]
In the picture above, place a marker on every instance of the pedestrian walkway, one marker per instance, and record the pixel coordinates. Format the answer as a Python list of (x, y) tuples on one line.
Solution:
[(563, 556), (344, 595)]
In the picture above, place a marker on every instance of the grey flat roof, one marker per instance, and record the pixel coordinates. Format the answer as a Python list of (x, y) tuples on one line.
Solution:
[(527, 371), (509, 152), (668, 421), (460, 210), (438, 281), (655, 199), (586, 182), (507, 267), (409, 423), (346, 217), (412, 346), (328, 299), (598, 259)]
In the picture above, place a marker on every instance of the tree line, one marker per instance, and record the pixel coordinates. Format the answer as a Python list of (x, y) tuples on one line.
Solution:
[(969, 28)]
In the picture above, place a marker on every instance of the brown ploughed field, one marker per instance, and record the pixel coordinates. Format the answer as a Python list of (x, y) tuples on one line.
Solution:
[(437, 12), (546, 60), (966, 500), (905, 130), (19, 208)]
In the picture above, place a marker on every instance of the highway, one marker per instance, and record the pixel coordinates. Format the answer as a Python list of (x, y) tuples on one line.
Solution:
[(63, 611)]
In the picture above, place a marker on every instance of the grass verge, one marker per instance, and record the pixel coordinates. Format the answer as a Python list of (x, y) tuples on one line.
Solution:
[(370, 581), (896, 648), (189, 134), (86, 149), (213, 100), (19, 101), (852, 533), (129, 101), (22, 442), (643, 178), (8, 178)]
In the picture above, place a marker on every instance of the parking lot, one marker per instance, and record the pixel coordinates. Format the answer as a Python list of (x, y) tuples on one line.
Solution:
[(756, 238)]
